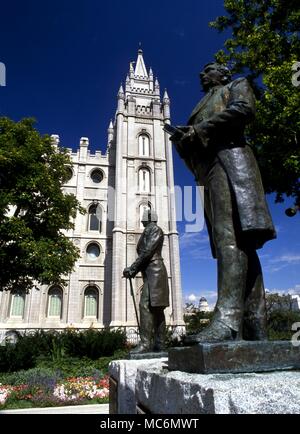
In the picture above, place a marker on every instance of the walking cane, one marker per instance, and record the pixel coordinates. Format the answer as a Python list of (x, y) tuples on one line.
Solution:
[(135, 309)]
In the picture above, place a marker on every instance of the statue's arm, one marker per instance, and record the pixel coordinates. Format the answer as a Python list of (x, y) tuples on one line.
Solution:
[(152, 242), (240, 110)]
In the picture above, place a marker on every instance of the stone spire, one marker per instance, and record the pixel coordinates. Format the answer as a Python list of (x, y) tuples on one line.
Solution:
[(157, 88), (166, 106), (121, 92), (140, 67), (110, 133), (166, 98), (121, 99)]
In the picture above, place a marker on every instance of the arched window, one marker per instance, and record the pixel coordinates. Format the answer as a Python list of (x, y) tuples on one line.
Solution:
[(144, 145), (143, 207), (17, 304), (95, 218), (55, 298), (144, 180), (91, 300), (93, 252)]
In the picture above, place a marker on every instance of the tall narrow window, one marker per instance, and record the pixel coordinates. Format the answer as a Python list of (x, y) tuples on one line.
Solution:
[(95, 218), (91, 299), (143, 207), (144, 145), (17, 304), (144, 180), (55, 296)]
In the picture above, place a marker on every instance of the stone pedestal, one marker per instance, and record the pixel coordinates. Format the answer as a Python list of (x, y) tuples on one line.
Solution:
[(235, 357), (162, 392), (148, 386), (123, 383)]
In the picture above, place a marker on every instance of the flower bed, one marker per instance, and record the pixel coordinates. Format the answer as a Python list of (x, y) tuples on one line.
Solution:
[(71, 391)]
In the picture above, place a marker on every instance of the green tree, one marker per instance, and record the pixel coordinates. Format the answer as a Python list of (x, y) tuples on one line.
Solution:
[(276, 301), (196, 321), (281, 316), (265, 45), (33, 208)]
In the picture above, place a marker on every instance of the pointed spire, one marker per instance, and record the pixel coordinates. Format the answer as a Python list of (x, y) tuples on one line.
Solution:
[(110, 133), (150, 73), (157, 88), (121, 92), (131, 70), (166, 106), (140, 67), (166, 98), (127, 86)]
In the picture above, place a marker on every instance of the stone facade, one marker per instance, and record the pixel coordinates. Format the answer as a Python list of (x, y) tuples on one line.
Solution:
[(135, 172)]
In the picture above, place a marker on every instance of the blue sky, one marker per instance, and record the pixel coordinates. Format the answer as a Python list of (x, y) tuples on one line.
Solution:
[(65, 61)]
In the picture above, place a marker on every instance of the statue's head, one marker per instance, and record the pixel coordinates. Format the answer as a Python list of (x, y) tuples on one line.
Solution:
[(213, 75), (149, 216)]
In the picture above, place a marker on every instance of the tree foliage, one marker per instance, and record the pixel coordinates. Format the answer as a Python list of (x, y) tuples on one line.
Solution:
[(34, 211), (265, 45), (281, 315), (197, 321)]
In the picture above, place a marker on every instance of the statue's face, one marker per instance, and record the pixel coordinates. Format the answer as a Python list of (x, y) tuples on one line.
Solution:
[(210, 77)]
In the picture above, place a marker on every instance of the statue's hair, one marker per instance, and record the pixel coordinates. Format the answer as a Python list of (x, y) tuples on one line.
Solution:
[(224, 70)]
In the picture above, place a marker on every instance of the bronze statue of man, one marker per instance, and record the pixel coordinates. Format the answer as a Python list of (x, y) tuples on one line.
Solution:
[(155, 291), (214, 148)]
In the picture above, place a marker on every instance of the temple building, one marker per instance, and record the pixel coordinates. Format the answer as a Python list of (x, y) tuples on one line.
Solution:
[(135, 173)]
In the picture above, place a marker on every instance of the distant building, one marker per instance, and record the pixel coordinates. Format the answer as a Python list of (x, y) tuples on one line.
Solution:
[(296, 302), (203, 305)]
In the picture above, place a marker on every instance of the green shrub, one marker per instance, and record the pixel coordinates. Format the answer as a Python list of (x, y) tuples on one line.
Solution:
[(29, 376), (280, 324), (197, 322), (32, 349), (94, 343)]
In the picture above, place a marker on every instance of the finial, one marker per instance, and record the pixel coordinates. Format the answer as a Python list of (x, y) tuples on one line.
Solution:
[(121, 90), (166, 96)]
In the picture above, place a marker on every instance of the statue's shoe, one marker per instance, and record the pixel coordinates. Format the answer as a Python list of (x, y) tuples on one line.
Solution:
[(217, 331), (140, 349)]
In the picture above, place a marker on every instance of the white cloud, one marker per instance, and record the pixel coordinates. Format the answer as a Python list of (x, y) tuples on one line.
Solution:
[(288, 259), (291, 291), (191, 298), (275, 264), (195, 245), (211, 297)]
